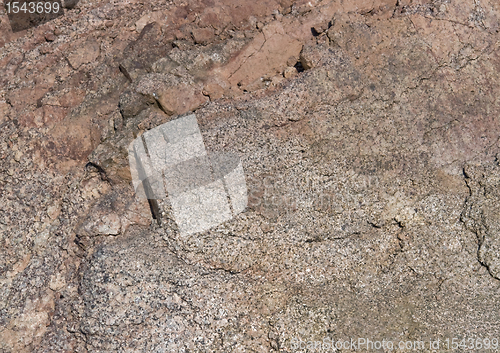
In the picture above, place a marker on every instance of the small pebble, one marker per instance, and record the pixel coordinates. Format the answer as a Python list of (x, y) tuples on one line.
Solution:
[(50, 37)]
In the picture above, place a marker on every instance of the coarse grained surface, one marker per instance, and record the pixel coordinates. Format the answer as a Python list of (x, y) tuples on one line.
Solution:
[(369, 134)]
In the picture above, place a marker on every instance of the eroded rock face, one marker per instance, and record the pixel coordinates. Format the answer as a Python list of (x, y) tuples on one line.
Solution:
[(369, 136), (482, 213)]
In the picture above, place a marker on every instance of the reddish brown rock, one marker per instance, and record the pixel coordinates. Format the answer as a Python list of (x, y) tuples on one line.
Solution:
[(50, 37), (203, 36), (266, 54), (24, 97), (289, 72), (85, 52), (181, 98), (52, 114), (140, 54), (157, 16), (214, 17), (213, 90), (360, 204), (72, 97), (4, 111)]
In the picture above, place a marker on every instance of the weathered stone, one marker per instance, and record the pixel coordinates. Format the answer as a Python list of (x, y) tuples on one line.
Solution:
[(131, 103), (140, 55), (109, 225), (50, 37), (72, 97), (213, 90), (310, 57), (289, 72), (214, 17), (157, 16), (69, 4), (84, 53), (4, 111), (164, 65), (52, 114), (372, 177), (181, 98), (203, 35), (482, 214), (266, 54)]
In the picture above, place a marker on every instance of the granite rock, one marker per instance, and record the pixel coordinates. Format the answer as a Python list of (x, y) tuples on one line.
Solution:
[(371, 170)]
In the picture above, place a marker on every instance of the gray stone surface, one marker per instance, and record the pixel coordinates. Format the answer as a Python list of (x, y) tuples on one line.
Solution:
[(372, 175)]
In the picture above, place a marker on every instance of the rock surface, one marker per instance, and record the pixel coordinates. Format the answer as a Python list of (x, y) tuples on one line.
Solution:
[(369, 133)]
